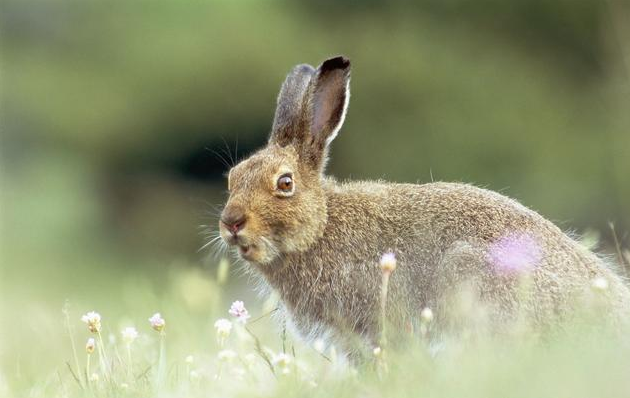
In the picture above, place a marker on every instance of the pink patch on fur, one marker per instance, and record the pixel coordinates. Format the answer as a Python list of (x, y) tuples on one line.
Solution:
[(514, 254)]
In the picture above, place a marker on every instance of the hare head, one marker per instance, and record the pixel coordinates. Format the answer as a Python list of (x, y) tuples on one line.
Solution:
[(276, 199)]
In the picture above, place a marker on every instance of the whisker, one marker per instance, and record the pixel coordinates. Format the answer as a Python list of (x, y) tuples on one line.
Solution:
[(228, 151), (209, 243), (218, 155)]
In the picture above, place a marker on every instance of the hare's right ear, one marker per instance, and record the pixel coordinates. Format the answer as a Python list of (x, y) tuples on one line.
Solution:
[(290, 124), (311, 108)]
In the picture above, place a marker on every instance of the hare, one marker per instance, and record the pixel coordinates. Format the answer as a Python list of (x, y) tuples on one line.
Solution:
[(317, 241)]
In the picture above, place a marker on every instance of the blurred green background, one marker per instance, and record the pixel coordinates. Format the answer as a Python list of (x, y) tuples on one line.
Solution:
[(115, 115)]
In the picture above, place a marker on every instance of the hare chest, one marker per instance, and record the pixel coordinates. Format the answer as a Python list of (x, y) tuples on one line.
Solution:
[(330, 299)]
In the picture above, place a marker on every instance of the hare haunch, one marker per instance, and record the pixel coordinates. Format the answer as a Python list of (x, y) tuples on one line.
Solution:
[(317, 241)]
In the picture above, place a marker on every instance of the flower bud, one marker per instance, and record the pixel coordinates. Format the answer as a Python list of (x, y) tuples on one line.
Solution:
[(93, 321), (90, 345), (129, 335), (157, 322), (388, 262), (239, 311), (426, 315), (224, 327), (599, 284)]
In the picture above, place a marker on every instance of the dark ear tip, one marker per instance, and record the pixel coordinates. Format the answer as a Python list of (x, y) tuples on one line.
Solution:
[(339, 62)]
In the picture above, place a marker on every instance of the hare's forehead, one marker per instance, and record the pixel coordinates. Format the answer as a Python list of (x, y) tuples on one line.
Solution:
[(263, 165)]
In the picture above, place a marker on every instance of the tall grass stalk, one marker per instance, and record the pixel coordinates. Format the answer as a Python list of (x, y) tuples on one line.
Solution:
[(102, 357), (129, 367), (66, 313), (87, 369), (384, 290), (160, 380)]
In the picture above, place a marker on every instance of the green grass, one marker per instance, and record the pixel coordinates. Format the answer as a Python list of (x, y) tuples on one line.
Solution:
[(38, 359)]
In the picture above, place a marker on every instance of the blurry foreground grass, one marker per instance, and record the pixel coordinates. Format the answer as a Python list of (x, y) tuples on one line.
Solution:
[(196, 356)]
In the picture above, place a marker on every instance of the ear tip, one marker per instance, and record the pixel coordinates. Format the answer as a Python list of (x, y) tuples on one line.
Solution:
[(339, 62), (303, 69)]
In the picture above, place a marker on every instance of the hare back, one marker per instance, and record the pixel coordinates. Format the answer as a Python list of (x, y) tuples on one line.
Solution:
[(453, 242)]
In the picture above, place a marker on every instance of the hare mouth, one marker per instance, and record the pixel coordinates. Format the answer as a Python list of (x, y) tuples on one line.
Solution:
[(246, 250)]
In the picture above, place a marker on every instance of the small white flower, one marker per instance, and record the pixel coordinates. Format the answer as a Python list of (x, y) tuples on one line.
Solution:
[(194, 375), (226, 355), (224, 327), (189, 359), (388, 262), (94, 377), (93, 321), (426, 315), (599, 284), (319, 345), (129, 334), (282, 361), (238, 310), (90, 345), (157, 322), (377, 351)]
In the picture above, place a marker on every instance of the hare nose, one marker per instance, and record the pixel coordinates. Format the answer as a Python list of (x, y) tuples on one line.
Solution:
[(234, 220)]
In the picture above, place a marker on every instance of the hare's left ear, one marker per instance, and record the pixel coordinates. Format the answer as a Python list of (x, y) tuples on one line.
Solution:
[(326, 104)]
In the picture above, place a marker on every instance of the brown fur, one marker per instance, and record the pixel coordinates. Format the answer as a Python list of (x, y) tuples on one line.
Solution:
[(320, 247)]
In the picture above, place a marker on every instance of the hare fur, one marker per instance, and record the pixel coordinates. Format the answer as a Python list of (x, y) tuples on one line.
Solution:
[(317, 241)]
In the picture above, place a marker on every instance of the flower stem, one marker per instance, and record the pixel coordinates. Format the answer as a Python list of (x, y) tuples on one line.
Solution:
[(101, 356), (87, 369), (129, 367), (381, 361), (66, 312), (161, 376), (384, 288)]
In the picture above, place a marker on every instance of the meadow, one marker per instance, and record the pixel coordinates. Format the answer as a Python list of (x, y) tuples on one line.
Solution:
[(187, 335), (119, 121)]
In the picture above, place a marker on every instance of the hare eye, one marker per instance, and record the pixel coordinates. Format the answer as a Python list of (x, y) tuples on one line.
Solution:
[(285, 183)]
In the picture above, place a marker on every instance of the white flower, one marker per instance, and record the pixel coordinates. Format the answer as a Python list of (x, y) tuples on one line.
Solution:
[(377, 351), (319, 345), (426, 315), (239, 311), (157, 322), (129, 334), (226, 355), (94, 377), (90, 345), (93, 321), (224, 327), (599, 284), (194, 375), (189, 359), (282, 361), (388, 262)]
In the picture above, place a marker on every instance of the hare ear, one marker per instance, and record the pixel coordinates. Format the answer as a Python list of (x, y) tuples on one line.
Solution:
[(328, 96), (289, 124)]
